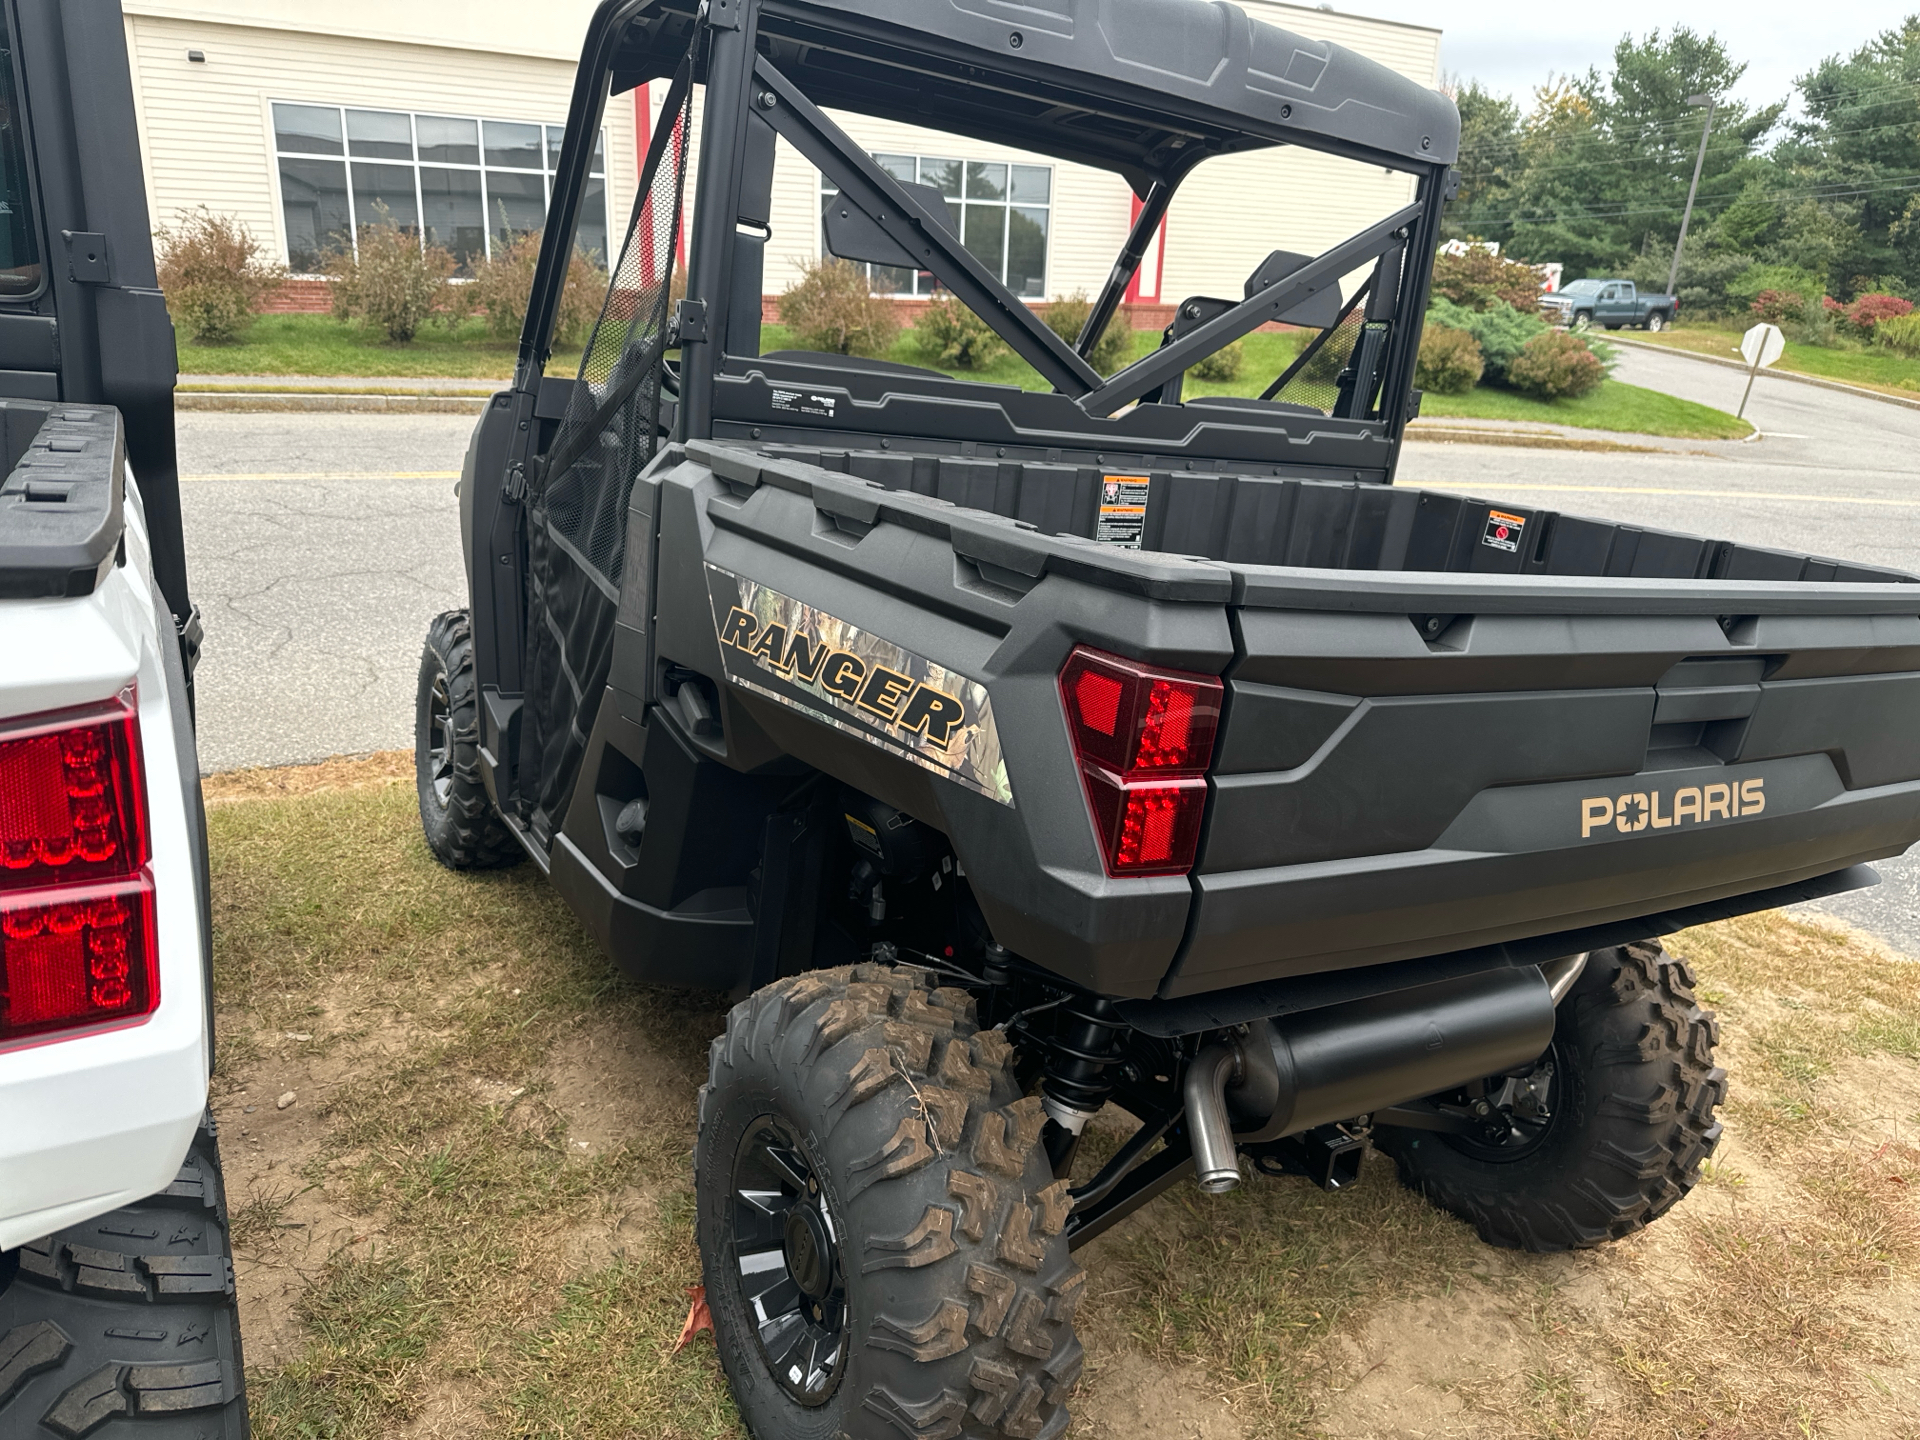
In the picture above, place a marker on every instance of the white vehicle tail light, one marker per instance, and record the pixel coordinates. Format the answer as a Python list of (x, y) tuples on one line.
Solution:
[(77, 941)]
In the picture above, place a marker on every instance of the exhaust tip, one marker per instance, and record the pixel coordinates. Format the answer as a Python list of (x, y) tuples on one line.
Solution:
[(1219, 1182)]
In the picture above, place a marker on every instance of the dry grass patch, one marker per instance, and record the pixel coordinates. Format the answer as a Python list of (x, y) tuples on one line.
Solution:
[(424, 1241), (475, 1218)]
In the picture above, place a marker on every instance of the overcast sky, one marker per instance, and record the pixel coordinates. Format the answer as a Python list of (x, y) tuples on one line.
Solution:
[(1511, 46)]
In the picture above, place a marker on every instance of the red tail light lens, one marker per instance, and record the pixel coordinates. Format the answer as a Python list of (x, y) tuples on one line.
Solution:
[(1144, 738), (77, 938), (76, 958), (71, 802)]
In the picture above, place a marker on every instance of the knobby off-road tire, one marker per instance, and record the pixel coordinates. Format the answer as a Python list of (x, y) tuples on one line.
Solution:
[(463, 830), (126, 1326), (955, 1294), (1633, 1096)]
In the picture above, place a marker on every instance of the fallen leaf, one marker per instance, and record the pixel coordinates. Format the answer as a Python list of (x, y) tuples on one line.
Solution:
[(698, 1317)]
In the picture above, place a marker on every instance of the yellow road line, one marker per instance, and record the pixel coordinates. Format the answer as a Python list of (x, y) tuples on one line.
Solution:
[(1664, 490), (340, 475)]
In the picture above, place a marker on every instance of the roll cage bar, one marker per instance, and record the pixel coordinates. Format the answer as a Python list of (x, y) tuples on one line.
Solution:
[(743, 50)]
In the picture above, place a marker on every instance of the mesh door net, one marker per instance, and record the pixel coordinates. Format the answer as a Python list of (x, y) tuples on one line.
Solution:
[(1314, 379), (577, 500)]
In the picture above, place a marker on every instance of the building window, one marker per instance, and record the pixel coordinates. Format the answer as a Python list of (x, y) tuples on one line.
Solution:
[(1000, 212), (470, 185)]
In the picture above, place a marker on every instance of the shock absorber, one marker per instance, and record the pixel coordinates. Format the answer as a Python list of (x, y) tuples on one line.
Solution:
[(1089, 1040)]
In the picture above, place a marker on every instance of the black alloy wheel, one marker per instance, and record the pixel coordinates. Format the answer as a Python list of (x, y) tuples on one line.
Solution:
[(1513, 1114), (457, 816), (1605, 1133), (440, 738), (790, 1269)]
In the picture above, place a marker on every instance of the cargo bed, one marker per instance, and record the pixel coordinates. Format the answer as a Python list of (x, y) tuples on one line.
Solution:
[(1430, 742)]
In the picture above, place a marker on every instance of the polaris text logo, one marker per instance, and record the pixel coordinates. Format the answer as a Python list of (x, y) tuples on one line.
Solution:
[(895, 698), (1699, 804)]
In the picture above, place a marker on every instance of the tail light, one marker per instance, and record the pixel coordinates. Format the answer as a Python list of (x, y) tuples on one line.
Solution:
[(77, 938), (1144, 739)]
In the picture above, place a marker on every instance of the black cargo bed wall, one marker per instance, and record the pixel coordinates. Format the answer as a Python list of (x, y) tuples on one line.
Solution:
[(1322, 524)]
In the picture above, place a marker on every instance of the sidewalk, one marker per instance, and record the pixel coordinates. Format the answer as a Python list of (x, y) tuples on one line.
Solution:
[(402, 394)]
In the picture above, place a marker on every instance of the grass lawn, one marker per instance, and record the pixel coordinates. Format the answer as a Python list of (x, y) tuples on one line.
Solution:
[(321, 345), (1869, 366), (474, 1218), (1614, 406)]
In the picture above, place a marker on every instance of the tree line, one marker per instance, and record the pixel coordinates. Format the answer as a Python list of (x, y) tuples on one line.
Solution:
[(1819, 199)]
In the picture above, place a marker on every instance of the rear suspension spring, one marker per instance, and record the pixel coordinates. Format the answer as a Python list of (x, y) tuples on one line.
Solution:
[(1088, 1041)]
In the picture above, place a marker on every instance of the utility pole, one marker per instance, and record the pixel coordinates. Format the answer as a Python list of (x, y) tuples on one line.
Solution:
[(1673, 275)]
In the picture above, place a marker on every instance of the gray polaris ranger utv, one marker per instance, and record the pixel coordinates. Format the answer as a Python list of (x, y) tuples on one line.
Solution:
[(1016, 754)]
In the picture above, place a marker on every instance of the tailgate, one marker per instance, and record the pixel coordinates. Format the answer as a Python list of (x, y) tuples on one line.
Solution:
[(1419, 763)]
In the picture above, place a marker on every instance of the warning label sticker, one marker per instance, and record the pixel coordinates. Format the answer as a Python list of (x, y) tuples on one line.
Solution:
[(803, 402), (1503, 530), (1123, 510)]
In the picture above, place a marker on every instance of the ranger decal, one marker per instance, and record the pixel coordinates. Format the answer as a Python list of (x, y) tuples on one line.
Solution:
[(853, 680)]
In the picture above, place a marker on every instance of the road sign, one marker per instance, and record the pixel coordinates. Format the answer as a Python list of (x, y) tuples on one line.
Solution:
[(1762, 345)]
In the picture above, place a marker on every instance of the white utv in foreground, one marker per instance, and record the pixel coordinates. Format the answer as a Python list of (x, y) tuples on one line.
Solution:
[(116, 1282)]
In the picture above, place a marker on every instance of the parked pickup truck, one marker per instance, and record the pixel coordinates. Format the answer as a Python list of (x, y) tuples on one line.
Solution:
[(1010, 754), (1612, 303), (117, 1310)]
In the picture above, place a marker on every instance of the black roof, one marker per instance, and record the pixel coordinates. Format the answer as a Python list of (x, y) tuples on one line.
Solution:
[(1144, 87)]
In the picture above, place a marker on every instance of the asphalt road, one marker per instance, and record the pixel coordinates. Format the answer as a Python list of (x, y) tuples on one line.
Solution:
[(320, 545), (1831, 474)]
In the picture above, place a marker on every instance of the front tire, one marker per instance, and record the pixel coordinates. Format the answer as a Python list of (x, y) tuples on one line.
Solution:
[(127, 1325), (1583, 319), (882, 1238), (1629, 1088), (462, 828)]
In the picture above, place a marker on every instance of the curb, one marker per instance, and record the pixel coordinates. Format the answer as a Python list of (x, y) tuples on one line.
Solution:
[(1467, 435), (1910, 402), (356, 404)]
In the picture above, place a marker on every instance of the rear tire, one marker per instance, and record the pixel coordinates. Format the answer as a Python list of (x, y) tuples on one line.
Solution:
[(1656, 322), (1632, 1092), (862, 1106), (462, 828), (127, 1325)]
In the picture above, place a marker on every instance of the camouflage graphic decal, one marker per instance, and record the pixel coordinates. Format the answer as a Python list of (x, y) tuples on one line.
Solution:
[(856, 681)]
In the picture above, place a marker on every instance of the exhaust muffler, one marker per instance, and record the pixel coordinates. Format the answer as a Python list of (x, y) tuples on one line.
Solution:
[(1294, 1072)]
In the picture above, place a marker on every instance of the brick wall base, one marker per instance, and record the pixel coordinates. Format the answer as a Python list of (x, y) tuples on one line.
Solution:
[(300, 297)]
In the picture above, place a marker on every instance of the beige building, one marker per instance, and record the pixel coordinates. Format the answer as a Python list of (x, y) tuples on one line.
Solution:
[(307, 121)]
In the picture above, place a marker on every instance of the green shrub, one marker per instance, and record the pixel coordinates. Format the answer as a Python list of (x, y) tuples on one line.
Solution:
[(214, 275), (1449, 362), (952, 335), (1788, 279), (502, 287), (1818, 322), (1221, 366), (1556, 365), (1501, 330), (1479, 279), (394, 283), (1068, 316), (1901, 335), (833, 308)]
